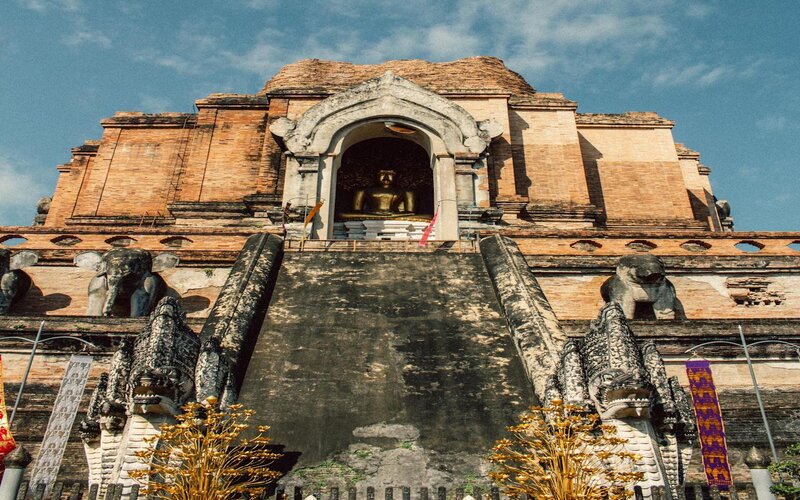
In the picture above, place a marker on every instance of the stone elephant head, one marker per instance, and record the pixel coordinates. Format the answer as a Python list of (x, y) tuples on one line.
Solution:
[(125, 274), (641, 280), (13, 282)]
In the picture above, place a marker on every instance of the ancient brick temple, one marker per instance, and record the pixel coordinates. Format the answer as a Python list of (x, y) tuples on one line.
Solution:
[(284, 225)]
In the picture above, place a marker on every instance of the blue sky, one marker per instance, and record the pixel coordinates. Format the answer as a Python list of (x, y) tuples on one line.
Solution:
[(726, 72)]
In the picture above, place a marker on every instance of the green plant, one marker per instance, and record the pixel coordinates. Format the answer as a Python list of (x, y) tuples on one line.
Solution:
[(563, 452), (471, 482), (204, 456), (208, 272), (328, 472), (788, 472), (407, 445), (362, 453)]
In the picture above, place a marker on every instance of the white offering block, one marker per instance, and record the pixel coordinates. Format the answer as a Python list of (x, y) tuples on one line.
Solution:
[(391, 229)]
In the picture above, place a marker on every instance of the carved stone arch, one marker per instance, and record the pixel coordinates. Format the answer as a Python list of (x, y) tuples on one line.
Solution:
[(386, 97), (314, 143)]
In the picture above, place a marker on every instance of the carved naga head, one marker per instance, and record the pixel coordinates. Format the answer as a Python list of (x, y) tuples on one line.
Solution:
[(616, 377), (164, 360)]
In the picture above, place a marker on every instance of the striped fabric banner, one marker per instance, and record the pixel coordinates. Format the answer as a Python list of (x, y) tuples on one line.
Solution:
[(6, 439), (709, 423), (65, 409)]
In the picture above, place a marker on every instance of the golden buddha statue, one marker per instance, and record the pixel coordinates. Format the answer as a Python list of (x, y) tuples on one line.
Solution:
[(384, 201)]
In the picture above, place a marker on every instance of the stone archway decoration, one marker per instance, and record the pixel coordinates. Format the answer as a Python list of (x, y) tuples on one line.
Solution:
[(386, 96)]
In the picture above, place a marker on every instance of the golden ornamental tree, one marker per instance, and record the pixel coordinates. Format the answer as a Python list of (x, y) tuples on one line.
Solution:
[(204, 455), (563, 452)]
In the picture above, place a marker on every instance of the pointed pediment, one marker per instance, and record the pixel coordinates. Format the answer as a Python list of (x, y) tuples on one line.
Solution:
[(388, 96)]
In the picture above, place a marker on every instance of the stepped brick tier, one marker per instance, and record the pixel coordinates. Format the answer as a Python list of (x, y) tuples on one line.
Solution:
[(266, 250)]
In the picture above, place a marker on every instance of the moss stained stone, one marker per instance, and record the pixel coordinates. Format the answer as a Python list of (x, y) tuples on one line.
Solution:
[(401, 354)]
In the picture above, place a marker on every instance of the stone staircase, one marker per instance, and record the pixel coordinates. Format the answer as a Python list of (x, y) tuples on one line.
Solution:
[(385, 366)]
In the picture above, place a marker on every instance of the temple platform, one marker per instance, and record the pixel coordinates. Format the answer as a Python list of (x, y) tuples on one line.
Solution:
[(380, 230)]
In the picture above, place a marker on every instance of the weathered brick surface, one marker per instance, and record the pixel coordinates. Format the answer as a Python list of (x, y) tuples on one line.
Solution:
[(662, 243), (546, 143), (701, 296), (634, 173), (70, 180), (469, 75), (509, 176), (233, 160), (63, 290), (197, 151), (626, 165), (137, 180)]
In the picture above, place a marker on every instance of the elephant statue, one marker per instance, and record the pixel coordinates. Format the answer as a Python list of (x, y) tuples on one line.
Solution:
[(13, 282), (125, 274), (640, 284)]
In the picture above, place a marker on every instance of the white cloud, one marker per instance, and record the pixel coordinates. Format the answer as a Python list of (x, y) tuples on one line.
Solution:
[(87, 37), (83, 34), (534, 35), (259, 4), (155, 104), (571, 39), (171, 61), (772, 123), (699, 10), (700, 75), (193, 53), (20, 189), (46, 5)]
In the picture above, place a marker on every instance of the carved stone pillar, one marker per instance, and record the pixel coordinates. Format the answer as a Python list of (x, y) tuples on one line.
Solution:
[(465, 180), (446, 198), (301, 188)]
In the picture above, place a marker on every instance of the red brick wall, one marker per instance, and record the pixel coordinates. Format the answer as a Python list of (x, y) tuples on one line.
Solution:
[(546, 143)]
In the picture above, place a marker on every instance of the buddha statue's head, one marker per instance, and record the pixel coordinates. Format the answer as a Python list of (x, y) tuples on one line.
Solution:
[(386, 177)]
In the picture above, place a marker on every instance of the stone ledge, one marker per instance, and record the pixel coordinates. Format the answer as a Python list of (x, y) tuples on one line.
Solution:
[(249, 101), (87, 148), (105, 332), (544, 101), (208, 209), (651, 232), (675, 336), (686, 153), (129, 119), (120, 220), (646, 119), (576, 264)]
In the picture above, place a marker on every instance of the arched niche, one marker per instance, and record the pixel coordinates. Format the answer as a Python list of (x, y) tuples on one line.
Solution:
[(449, 133), (362, 161)]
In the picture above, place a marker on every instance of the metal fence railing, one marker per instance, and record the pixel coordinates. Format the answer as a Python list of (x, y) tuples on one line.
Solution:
[(78, 491)]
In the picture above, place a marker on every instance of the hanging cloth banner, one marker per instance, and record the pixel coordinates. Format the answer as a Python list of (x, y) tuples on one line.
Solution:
[(709, 423), (6, 439), (58, 427), (312, 214), (427, 233)]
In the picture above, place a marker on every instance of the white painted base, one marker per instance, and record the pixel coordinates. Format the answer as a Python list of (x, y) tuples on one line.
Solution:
[(394, 230)]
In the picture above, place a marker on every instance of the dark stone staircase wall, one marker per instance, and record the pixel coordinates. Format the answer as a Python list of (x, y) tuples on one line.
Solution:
[(369, 354)]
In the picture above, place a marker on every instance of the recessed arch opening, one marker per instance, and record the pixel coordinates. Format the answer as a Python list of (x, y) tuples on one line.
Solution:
[(362, 162)]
